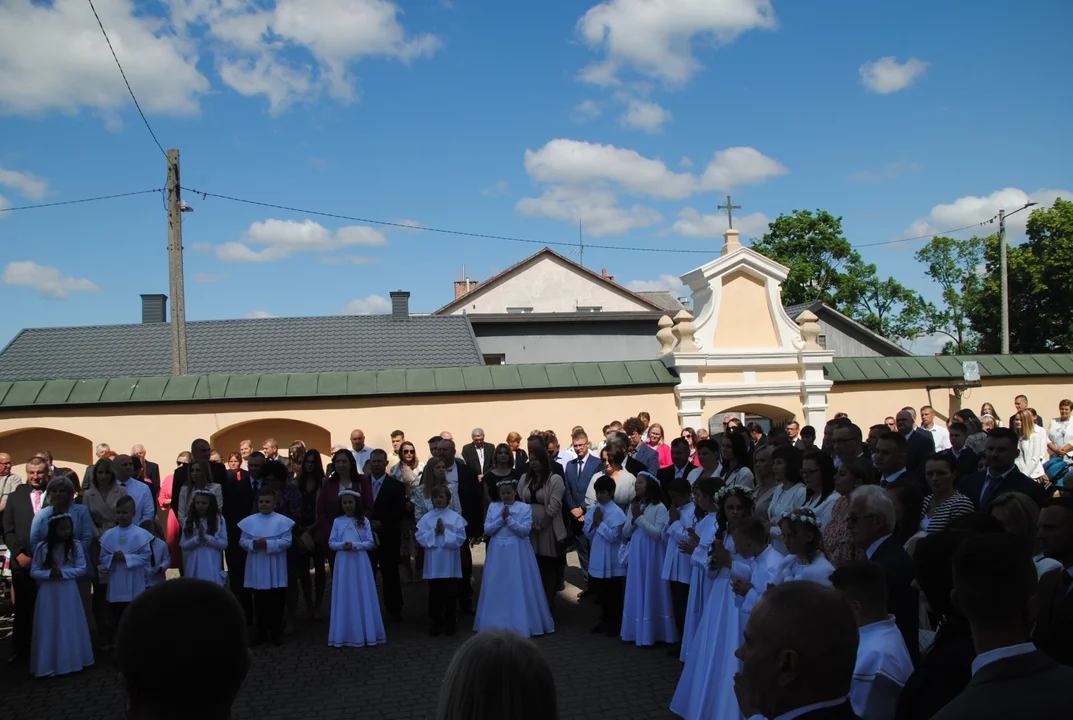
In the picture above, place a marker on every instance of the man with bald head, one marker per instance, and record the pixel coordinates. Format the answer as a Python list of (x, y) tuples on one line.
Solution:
[(919, 443), (359, 449), (152, 470), (798, 654), (8, 480)]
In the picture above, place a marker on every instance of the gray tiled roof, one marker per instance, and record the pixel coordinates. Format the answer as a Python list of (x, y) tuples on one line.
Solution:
[(264, 345), (664, 299)]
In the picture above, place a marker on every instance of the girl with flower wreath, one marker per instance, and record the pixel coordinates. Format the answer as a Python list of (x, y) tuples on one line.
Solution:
[(804, 543), (697, 545), (703, 690)]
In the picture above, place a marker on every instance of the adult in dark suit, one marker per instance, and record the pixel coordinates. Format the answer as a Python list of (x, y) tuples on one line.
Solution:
[(200, 450), (239, 496), (919, 443), (680, 465), (471, 498), (477, 455), (994, 584), (577, 476), (872, 519), (152, 470), (1001, 475), (1054, 599), (22, 504), (389, 507), (889, 459), (967, 459), (800, 652)]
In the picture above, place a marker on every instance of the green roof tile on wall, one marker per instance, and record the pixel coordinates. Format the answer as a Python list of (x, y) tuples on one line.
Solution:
[(533, 376), (183, 387), (4, 387), (561, 376), (271, 386), (449, 380), (87, 391), (615, 373), (505, 377), (420, 382), (331, 384), (217, 386), (24, 392), (301, 384), (477, 378), (55, 392), (149, 389), (391, 382), (241, 386)]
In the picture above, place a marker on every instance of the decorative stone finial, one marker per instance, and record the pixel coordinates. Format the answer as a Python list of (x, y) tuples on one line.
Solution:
[(684, 329), (810, 330), (665, 335), (732, 242)]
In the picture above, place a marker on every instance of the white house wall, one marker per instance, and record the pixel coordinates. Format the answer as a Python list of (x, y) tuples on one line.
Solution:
[(549, 286)]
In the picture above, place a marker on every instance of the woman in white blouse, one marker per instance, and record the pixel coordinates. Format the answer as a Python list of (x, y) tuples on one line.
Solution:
[(1032, 448), (789, 491), (818, 474), (1060, 432)]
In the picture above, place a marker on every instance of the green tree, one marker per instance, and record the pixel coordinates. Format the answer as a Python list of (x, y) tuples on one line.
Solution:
[(884, 306), (953, 264), (815, 250), (1040, 287)]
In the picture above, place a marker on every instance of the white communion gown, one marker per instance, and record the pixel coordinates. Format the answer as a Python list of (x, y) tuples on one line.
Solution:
[(700, 580), (706, 687), (61, 643), (817, 570), (512, 596), (355, 620), (647, 613), (203, 558)]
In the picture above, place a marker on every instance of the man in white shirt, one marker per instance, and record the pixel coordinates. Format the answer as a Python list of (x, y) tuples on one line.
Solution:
[(940, 434), (144, 507), (883, 663), (994, 588), (798, 655), (359, 449)]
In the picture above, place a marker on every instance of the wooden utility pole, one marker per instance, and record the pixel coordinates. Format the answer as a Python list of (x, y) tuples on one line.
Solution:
[(179, 365)]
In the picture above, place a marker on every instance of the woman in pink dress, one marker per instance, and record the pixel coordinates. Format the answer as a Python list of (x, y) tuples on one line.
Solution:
[(171, 534), (655, 441)]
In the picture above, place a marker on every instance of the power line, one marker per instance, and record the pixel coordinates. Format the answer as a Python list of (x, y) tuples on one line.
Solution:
[(83, 200), (925, 237), (444, 231), (131, 91)]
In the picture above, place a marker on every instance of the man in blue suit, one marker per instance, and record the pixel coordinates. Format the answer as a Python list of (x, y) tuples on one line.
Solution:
[(639, 450), (579, 473), (1001, 475)]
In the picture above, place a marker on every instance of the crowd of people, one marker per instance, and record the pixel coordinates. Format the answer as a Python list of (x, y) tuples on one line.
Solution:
[(697, 543)]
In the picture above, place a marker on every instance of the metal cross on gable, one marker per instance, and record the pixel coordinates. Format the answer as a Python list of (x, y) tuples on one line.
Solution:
[(730, 208)]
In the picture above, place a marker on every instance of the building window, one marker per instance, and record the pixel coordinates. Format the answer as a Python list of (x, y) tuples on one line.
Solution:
[(822, 341), (519, 310), (589, 308), (495, 359)]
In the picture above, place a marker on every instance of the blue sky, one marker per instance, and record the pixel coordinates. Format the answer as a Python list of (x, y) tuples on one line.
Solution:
[(512, 119)]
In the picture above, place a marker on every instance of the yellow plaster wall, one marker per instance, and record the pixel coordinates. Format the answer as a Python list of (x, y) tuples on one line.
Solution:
[(777, 375), (744, 319), (720, 376), (167, 430)]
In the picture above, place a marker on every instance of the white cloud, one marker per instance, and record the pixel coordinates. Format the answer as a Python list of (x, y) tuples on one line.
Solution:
[(371, 305), (496, 189), (584, 179), (670, 283), (656, 38), (691, 223), (258, 314), (48, 281), (685, 162), (595, 208), (971, 209), (53, 56), (281, 239), (643, 114), (886, 75), (26, 184), (207, 279), (585, 110), (350, 260), (891, 171), (576, 162), (738, 166)]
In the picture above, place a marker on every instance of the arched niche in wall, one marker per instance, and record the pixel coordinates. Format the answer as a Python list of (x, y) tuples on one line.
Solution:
[(68, 450), (283, 430)]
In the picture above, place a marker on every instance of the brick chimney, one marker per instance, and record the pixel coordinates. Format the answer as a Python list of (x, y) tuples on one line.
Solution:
[(606, 276), (464, 286)]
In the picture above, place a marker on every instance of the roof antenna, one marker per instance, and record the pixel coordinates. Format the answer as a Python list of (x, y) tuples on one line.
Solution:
[(581, 244)]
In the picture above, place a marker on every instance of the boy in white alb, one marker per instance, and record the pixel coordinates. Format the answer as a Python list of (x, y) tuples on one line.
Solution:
[(266, 535), (441, 532), (751, 542), (125, 557), (603, 528), (883, 664), (676, 566)]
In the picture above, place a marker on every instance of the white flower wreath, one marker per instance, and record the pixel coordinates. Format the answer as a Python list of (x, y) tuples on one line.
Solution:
[(798, 517)]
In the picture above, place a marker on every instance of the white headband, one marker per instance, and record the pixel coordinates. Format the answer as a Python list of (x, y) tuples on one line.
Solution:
[(61, 516), (501, 483), (348, 491), (796, 517)]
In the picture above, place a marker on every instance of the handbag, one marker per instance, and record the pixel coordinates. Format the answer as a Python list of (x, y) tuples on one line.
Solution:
[(1056, 468), (305, 543)]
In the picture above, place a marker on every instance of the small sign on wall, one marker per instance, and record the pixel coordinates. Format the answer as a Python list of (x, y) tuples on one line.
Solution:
[(970, 371)]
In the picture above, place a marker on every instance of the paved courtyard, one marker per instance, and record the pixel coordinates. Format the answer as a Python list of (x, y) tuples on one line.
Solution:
[(596, 676)]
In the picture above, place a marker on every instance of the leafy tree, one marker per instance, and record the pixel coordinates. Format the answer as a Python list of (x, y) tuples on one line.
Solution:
[(815, 250), (1040, 284), (884, 306), (953, 264)]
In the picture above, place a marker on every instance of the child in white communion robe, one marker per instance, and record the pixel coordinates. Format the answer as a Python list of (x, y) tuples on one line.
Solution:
[(607, 572), (204, 539), (647, 613), (442, 532), (61, 643), (126, 556), (676, 566), (266, 535), (355, 618), (512, 594)]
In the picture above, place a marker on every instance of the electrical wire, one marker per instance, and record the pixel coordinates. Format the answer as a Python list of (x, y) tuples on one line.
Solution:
[(82, 200), (125, 81), (925, 237)]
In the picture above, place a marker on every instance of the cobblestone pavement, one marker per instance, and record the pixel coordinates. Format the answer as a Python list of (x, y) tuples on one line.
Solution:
[(596, 676)]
